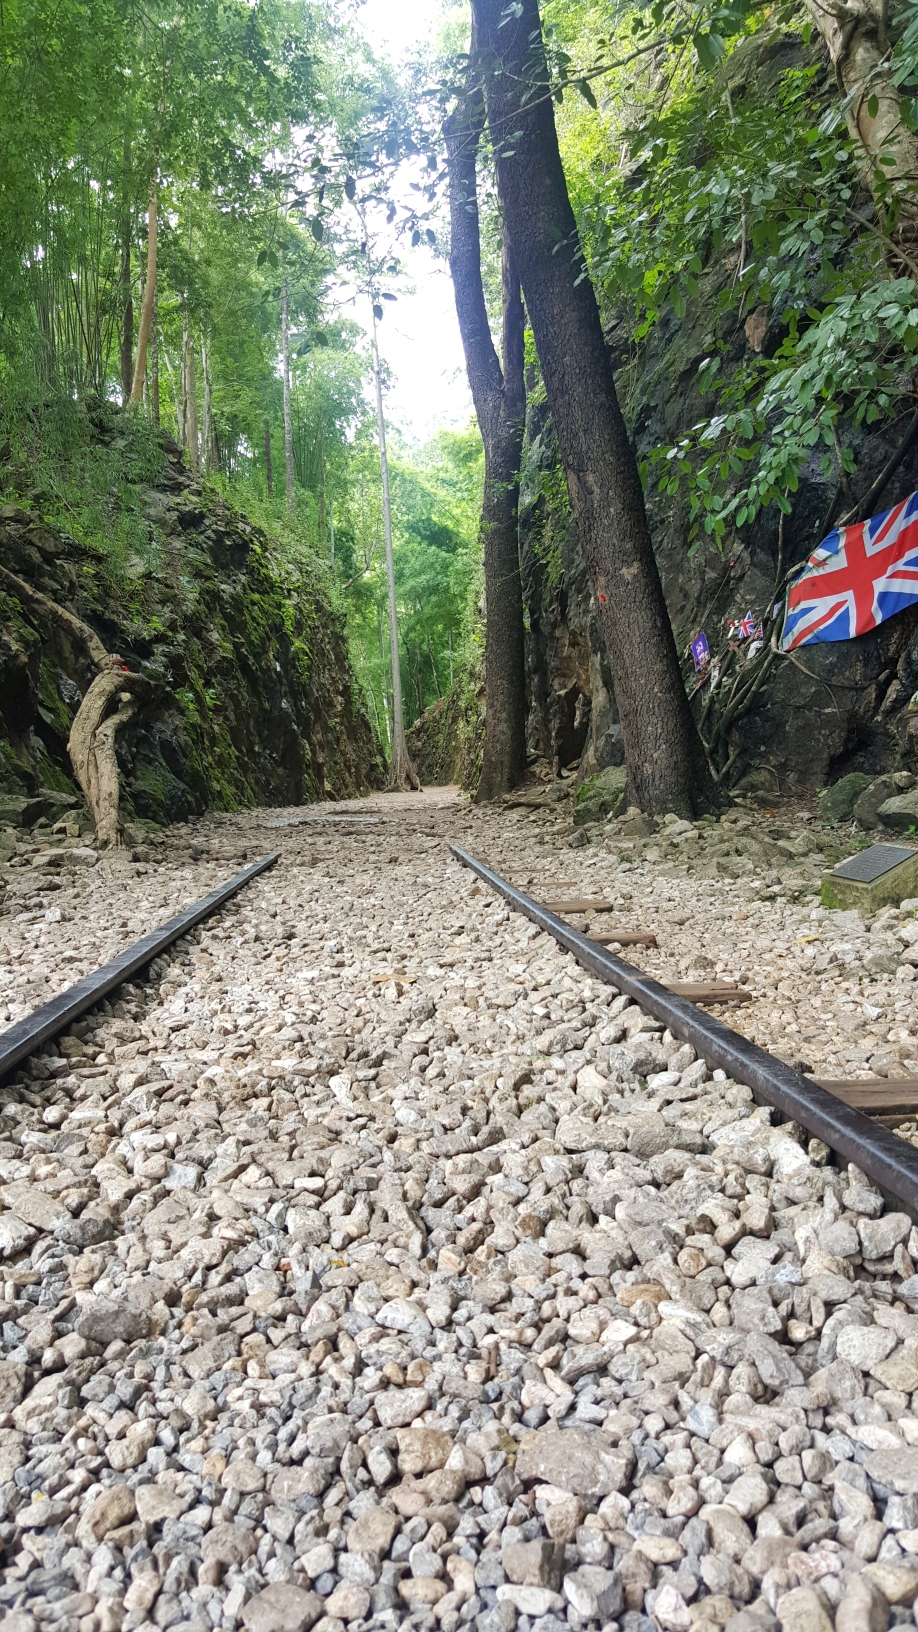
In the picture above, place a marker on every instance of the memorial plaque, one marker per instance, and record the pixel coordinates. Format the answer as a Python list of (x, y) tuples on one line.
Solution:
[(880, 876), (871, 864)]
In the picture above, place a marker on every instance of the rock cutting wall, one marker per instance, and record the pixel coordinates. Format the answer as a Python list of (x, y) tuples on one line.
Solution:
[(253, 700), (806, 729)]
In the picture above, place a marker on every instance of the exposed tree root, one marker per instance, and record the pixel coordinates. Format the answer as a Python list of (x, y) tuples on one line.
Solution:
[(91, 745), (92, 748), (404, 778), (33, 601)]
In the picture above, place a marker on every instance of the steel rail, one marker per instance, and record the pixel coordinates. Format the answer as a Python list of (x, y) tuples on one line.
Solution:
[(27, 1035), (891, 1163)]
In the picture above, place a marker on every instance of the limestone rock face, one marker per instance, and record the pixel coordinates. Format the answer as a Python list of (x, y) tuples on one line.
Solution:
[(253, 703), (900, 813), (601, 795), (837, 803)]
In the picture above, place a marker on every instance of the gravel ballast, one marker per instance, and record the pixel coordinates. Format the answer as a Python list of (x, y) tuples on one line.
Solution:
[(372, 1264)]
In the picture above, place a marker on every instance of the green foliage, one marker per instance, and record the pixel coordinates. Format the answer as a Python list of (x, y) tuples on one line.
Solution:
[(715, 189), (88, 469), (436, 495)]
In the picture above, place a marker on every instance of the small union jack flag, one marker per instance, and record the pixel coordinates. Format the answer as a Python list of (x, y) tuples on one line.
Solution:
[(858, 577)]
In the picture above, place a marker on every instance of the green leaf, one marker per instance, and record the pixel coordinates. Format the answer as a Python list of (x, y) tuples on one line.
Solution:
[(377, 311), (317, 229), (587, 93), (873, 106), (350, 187), (710, 48)]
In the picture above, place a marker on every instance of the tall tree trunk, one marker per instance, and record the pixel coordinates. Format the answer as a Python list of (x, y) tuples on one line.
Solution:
[(154, 363), (667, 766), (149, 298), (269, 462), (211, 442), (177, 387), (331, 530), (190, 394), (323, 526), (288, 416), (404, 774), (127, 314), (856, 34), (499, 394)]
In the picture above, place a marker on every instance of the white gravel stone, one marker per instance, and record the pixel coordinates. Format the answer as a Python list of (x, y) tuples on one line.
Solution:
[(374, 1260)]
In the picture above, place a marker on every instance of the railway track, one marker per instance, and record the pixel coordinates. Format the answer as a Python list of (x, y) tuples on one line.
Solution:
[(361, 1270), (53, 1018), (844, 1127), (836, 1112)]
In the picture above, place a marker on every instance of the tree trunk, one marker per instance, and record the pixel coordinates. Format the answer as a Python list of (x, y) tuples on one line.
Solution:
[(499, 394), (322, 519), (288, 417), (211, 444), (403, 772), (127, 319), (154, 363), (190, 395), (856, 36), (149, 299), (433, 664), (667, 767), (269, 463)]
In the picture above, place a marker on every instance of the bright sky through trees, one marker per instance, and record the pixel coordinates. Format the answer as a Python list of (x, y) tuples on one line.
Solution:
[(420, 337)]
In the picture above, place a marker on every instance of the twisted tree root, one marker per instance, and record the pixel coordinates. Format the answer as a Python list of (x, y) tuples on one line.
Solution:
[(92, 748), (91, 745)]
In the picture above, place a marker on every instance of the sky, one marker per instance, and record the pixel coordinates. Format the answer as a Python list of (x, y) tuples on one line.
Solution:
[(419, 338)]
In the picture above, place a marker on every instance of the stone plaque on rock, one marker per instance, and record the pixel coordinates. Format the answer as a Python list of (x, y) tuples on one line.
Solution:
[(883, 875)]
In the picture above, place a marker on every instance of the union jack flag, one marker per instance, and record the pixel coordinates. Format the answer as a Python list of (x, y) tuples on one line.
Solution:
[(855, 579), (745, 629)]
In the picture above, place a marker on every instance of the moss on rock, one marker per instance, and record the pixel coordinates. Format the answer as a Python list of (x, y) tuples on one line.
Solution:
[(601, 796), (252, 696)]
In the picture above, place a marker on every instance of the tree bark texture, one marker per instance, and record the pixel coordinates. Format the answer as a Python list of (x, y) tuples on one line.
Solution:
[(149, 299), (154, 363), (499, 394), (667, 766), (856, 35)]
